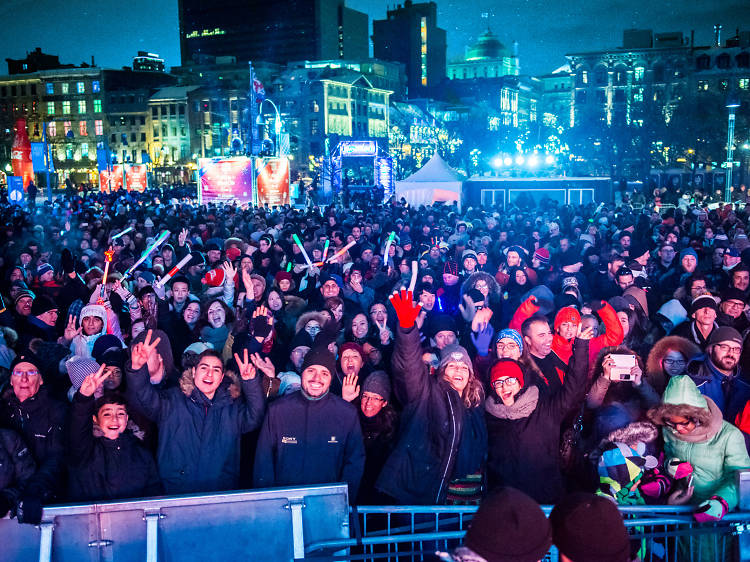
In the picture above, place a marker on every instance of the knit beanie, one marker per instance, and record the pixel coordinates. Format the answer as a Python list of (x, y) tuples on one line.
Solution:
[(512, 335), (213, 278), (724, 334), (450, 268), (567, 314), (300, 339), (542, 254), (506, 368), (378, 383), (441, 323), (26, 357), (44, 268), (79, 368), (509, 526), (589, 528), (283, 275), (703, 301), (688, 252), (43, 304), (320, 356), (22, 294), (352, 345), (455, 354)]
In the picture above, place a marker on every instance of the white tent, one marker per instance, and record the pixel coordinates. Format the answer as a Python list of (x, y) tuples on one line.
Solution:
[(435, 181)]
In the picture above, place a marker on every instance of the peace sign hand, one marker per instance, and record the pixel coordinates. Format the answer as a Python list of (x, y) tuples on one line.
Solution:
[(264, 365), (247, 369), (93, 381), (385, 333), (182, 237), (70, 330), (350, 388), (141, 351)]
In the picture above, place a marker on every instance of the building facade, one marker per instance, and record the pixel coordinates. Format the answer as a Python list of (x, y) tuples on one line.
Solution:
[(487, 58)]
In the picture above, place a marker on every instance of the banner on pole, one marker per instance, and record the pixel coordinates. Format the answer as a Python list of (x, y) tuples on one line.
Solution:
[(225, 180), (272, 181), (15, 190)]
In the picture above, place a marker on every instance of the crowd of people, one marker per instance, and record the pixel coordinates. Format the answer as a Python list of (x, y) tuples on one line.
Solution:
[(421, 355)]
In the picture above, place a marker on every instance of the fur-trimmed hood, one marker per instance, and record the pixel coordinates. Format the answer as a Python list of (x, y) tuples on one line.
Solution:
[(231, 380), (492, 283), (320, 317), (654, 371), (682, 398), (632, 433)]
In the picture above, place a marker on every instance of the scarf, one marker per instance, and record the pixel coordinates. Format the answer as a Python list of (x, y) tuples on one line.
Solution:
[(523, 407), (702, 433)]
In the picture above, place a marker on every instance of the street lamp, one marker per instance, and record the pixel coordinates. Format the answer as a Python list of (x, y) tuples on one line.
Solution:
[(277, 123), (732, 105)]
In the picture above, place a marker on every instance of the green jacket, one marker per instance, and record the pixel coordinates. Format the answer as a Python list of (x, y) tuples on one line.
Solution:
[(715, 448)]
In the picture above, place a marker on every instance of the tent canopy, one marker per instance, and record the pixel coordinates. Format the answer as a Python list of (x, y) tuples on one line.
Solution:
[(435, 181)]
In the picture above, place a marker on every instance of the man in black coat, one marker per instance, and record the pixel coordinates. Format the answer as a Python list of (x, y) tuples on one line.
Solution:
[(311, 436), (16, 469), (28, 409), (201, 421)]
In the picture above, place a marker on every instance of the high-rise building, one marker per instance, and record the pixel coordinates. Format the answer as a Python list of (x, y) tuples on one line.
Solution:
[(280, 32), (410, 35)]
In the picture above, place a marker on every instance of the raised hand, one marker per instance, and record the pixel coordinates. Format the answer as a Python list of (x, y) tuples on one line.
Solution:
[(92, 382), (585, 334), (248, 283), (405, 307), (229, 273), (141, 351), (263, 364), (350, 388), (481, 319), (467, 310), (385, 333), (247, 369), (70, 330), (182, 237), (482, 339)]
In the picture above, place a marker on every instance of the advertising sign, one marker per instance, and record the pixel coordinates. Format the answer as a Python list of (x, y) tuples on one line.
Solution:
[(225, 180), (111, 180), (15, 190), (38, 161), (136, 177), (358, 148), (384, 176), (272, 181), (20, 154)]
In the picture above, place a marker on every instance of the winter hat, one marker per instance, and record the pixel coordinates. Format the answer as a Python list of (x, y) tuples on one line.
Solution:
[(469, 254), (451, 268), (43, 304), (147, 276), (441, 323), (569, 258), (703, 301), (44, 268), (456, 354), (724, 334), (506, 368), (567, 314), (26, 357), (728, 294), (214, 278), (511, 334), (24, 293), (96, 310), (79, 368), (351, 345), (526, 532), (542, 254), (282, 275), (673, 311), (300, 339), (233, 253), (378, 383), (325, 277), (103, 344), (619, 303), (198, 347), (688, 252), (637, 296), (320, 356)]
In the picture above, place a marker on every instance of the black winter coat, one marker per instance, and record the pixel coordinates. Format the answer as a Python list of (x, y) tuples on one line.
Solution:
[(199, 439), (432, 425), (41, 422), (525, 453), (107, 469), (305, 441), (16, 466)]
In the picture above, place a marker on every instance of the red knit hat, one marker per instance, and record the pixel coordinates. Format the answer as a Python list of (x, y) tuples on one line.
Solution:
[(233, 253), (506, 368), (567, 314), (351, 345), (281, 275), (450, 267), (214, 278)]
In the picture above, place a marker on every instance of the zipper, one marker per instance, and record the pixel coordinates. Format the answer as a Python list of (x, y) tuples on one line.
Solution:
[(450, 453)]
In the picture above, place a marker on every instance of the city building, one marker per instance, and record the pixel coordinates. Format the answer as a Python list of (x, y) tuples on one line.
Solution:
[(410, 35), (279, 32), (487, 58), (386, 75), (35, 61), (148, 62), (556, 97)]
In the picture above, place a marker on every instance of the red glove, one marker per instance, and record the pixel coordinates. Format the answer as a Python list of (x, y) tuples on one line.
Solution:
[(406, 309)]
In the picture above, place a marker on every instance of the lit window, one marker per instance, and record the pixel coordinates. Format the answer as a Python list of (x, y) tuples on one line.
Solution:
[(67, 126), (65, 88), (85, 149), (66, 107), (82, 128), (97, 106), (69, 152), (744, 83), (50, 108), (81, 106), (98, 127), (52, 129), (638, 74), (95, 86), (702, 85), (50, 88), (80, 88)]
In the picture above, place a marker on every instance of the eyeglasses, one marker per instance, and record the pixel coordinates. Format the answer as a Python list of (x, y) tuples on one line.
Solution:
[(372, 398), (726, 348), (675, 425), (510, 381), (734, 304), (27, 374), (507, 346), (674, 361)]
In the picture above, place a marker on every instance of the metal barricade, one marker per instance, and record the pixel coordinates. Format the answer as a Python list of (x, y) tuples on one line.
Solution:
[(415, 533), (275, 524)]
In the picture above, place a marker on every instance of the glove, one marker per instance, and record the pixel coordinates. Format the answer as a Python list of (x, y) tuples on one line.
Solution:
[(260, 327), (5, 506), (406, 309), (67, 261), (713, 509), (597, 305), (482, 340), (29, 510)]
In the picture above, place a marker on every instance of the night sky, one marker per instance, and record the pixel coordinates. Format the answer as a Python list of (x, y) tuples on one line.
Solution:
[(114, 30)]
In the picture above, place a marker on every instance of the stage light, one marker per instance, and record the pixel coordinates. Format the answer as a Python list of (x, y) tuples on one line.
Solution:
[(507, 161), (533, 161), (520, 160), (497, 162), (549, 160)]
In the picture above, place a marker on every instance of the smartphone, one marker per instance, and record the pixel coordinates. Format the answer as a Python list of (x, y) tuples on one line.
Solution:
[(622, 364)]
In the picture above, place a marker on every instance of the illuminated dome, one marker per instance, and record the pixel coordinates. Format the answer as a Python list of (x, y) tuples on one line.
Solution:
[(487, 47)]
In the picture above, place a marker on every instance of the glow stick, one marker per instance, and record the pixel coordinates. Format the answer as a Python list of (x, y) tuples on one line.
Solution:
[(413, 282), (158, 242), (391, 236), (108, 255), (341, 251), (116, 236), (302, 249), (325, 249), (172, 272)]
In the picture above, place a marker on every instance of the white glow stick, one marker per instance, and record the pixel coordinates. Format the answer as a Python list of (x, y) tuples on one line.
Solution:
[(158, 242), (391, 236), (116, 236), (302, 249), (414, 271), (341, 251), (172, 272)]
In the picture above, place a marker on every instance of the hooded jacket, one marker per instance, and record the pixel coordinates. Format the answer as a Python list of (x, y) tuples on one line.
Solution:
[(655, 371), (715, 448), (199, 438)]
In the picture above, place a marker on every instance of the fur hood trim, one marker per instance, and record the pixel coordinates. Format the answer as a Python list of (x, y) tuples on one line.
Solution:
[(659, 413), (654, 372), (471, 280), (632, 433), (320, 317), (187, 383)]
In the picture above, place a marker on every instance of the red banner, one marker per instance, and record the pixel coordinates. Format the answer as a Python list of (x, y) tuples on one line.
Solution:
[(272, 176), (111, 180), (137, 177), (224, 180), (20, 154)]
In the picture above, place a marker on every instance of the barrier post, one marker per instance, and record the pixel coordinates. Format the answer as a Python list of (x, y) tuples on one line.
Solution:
[(45, 542)]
